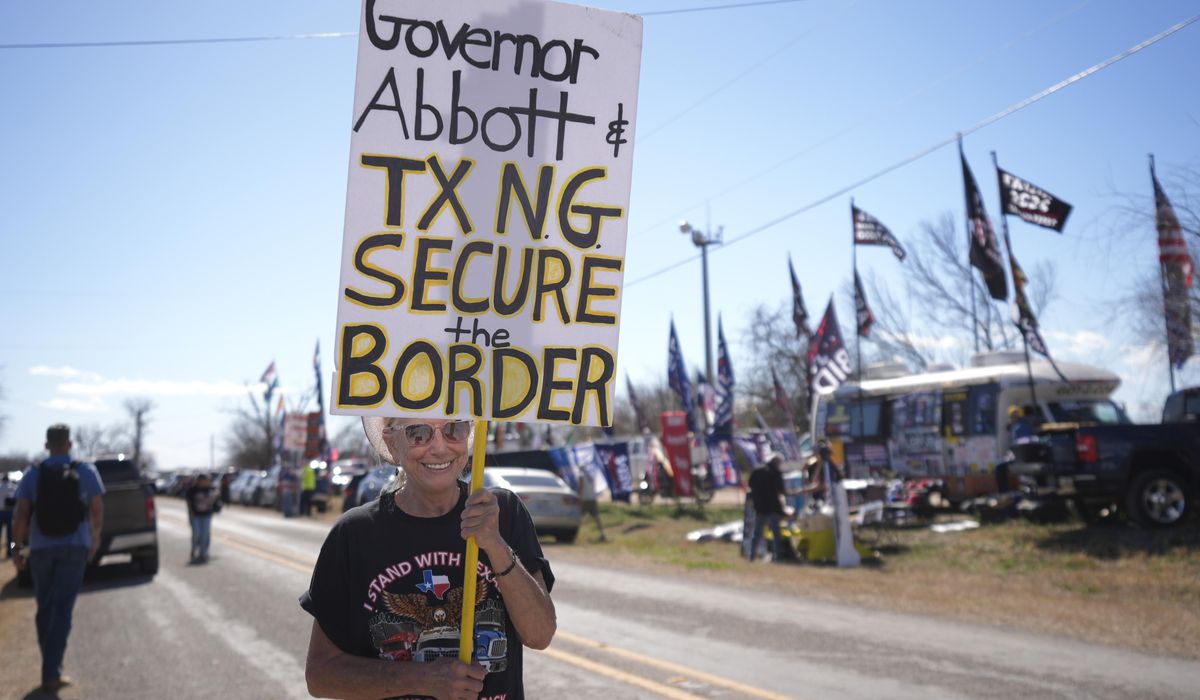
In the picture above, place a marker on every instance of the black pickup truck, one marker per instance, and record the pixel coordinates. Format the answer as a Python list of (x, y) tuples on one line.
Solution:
[(1151, 472), (130, 525)]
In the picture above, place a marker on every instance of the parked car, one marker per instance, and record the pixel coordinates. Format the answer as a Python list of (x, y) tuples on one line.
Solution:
[(1096, 460), (374, 483), (554, 506), (241, 489), (266, 492)]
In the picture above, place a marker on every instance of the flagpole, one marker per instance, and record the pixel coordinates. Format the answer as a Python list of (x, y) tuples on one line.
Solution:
[(1012, 270), (970, 279), (1163, 275), (857, 330)]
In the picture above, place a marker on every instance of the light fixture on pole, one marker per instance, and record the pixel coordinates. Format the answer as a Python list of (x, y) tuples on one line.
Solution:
[(702, 240)]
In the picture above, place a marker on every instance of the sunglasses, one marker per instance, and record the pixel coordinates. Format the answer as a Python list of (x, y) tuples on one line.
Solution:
[(420, 434)]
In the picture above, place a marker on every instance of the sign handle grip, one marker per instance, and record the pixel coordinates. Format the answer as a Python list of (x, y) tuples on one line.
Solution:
[(466, 636)]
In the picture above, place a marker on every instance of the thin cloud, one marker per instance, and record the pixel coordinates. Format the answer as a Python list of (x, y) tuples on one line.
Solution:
[(64, 372), (1078, 342), (91, 405), (148, 387)]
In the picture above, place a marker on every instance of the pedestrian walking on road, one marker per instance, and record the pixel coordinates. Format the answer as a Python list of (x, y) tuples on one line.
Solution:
[(8, 500), (203, 499), (766, 492), (388, 584), (308, 486), (588, 498), (59, 512)]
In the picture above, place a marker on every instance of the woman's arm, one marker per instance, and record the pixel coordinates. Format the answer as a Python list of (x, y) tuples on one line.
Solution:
[(332, 673), (526, 597)]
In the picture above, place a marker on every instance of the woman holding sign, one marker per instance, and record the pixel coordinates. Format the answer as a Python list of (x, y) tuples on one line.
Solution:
[(387, 589)]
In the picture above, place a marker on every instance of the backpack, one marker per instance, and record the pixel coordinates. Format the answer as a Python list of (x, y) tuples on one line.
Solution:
[(59, 509)]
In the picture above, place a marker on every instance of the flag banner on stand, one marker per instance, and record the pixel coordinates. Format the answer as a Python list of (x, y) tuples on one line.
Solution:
[(323, 438), (723, 423), (799, 313), (1177, 268), (678, 449), (870, 231), (985, 252), (477, 174), (561, 458), (748, 447), (787, 443), (1030, 202), (642, 422), (861, 310), (613, 457), (720, 461), (677, 379), (781, 399), (706, 398), (828, 361)]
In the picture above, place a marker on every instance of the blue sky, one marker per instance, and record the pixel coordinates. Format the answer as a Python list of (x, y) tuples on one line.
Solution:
[(171, 216)]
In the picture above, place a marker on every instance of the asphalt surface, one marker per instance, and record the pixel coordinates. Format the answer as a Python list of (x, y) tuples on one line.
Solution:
[(232, 629)]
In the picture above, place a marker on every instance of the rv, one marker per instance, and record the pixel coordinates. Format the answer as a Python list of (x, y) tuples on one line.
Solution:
[(951, 424)]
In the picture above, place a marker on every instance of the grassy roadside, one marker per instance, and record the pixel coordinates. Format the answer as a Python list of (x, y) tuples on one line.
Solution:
[(1111, 585)]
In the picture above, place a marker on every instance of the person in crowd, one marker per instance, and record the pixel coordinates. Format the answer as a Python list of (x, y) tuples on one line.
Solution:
[(60, 513), (8, 500), (1019, 431), (289, 487), (391, 572), (308, 486), (822, 463), (588, 498), (767, 492), (203, 500)]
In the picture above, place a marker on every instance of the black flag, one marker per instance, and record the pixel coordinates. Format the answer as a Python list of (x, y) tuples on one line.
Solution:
[(1030, 202), (828, 361), (861, 310), (1022, 313), (1177, 267), (985, 253), (870, 231), (799, 313)]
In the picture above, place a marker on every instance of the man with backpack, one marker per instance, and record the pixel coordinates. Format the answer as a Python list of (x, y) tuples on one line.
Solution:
[(59, 512)]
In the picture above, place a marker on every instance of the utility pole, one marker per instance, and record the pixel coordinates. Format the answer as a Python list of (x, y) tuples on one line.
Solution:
[(702, 240)]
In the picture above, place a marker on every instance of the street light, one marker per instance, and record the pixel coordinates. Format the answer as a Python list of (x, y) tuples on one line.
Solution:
[(702, 240)]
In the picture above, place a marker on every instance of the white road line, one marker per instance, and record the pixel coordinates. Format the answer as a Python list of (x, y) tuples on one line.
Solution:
[(273, 662)]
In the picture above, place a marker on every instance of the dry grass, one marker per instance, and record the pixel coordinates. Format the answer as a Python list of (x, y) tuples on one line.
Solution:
[(1112, 584)]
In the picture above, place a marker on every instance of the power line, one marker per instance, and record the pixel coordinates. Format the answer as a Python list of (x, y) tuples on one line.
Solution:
[(1008, 111), (166, 42), (717, 7), (327, 35)]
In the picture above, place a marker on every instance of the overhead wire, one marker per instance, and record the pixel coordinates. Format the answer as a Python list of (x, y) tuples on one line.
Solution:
[(1006, 112)]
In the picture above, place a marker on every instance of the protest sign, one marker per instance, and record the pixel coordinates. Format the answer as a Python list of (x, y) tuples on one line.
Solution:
[(486, 211), (678, 447)]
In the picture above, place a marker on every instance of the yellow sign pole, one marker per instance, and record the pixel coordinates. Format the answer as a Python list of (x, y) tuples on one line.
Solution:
[(466, 635)]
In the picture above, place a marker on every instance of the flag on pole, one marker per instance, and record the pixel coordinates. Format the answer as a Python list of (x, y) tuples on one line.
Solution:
[(322, 437), (1030, 202), (828, 360), (870, 231), (1022, 313), (985, 253), (723, 424), (799, 313), (861, 310), (642, 423), (678, 380), (1175, 262), (271, 382), (781, 399)]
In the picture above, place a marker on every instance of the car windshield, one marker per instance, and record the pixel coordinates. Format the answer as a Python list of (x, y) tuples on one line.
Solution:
[(112, 470), (1103, 411)]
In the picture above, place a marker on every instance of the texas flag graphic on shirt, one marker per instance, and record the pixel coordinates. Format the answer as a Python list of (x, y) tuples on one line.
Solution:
[(437, 585)]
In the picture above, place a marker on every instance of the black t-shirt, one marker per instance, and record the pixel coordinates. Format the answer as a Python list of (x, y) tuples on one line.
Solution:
[(201, 500), (389, 585), (766, 487)]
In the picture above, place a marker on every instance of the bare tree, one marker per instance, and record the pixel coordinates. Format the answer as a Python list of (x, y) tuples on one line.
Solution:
[(137, 410), (936, 321), (94, 440), (250, 443), (771, 343)]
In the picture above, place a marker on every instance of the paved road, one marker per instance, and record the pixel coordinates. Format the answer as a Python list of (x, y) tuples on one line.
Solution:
[(232, 629)]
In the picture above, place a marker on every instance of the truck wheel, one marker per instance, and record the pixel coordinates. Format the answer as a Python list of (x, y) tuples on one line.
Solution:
[(148, 564), (1158, 499)]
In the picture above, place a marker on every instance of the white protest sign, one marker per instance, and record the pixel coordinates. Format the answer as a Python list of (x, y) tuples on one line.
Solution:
[(486, 210)]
